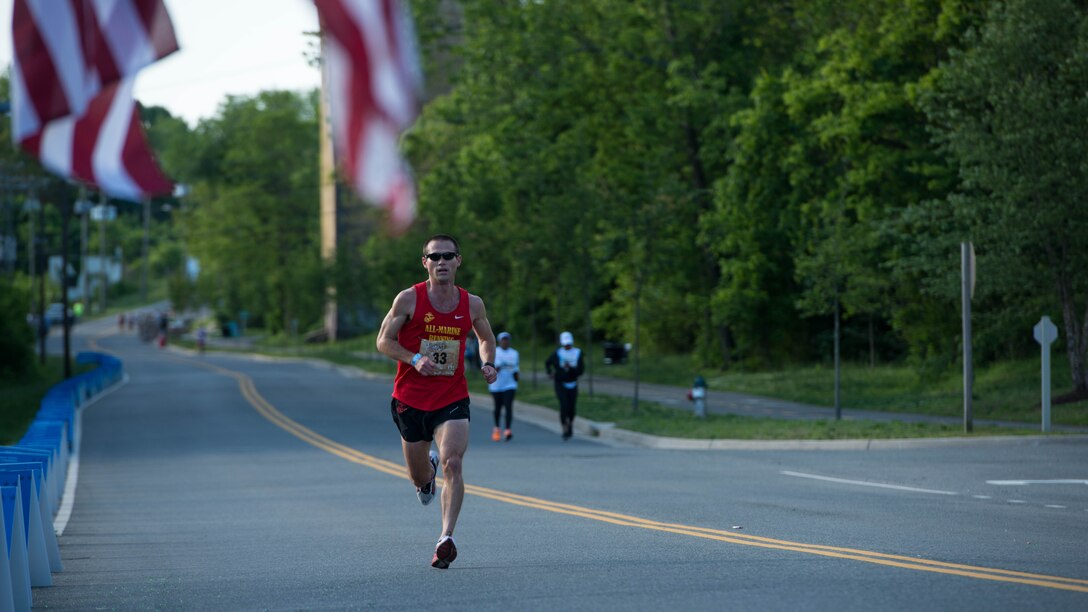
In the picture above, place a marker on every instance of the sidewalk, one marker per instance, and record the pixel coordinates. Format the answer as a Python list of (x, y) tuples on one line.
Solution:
[(726, 402), (723, 403), (606, 433)]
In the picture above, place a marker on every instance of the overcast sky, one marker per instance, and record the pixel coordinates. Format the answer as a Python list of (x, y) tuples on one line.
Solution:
[(227, 47)]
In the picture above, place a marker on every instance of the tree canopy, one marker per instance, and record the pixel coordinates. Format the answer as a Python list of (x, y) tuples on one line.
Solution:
[(714, 177)]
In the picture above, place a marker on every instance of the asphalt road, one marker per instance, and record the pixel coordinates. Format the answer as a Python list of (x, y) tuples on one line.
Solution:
[(222, 482)]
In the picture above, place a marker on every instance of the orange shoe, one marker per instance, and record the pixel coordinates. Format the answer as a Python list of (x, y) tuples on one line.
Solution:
[(509, 434), (495, 434)]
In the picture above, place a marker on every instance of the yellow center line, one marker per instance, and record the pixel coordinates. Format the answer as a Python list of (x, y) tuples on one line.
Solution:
[(269, 412)]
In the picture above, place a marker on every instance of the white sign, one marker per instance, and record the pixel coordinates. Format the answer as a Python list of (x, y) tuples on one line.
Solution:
[(1046, 332), (100, 213)]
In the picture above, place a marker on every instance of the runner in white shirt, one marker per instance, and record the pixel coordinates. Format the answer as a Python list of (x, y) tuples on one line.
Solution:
[(564, 366), (505, 386)]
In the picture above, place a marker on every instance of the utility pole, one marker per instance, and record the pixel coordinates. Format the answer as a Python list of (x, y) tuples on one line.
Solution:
[(146, 248), (32, 206), (328, 203), (102, 272), (838, 362), (7, 238), (66, 321), (83, 208)]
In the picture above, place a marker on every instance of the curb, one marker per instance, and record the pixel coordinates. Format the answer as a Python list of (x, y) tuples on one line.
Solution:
[(607, 433)]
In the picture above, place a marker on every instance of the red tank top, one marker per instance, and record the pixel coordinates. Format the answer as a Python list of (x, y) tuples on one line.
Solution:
[(441, 337)]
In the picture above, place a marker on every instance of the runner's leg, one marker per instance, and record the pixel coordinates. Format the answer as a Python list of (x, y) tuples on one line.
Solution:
[(417, 461), (509, 399), (452, 439)]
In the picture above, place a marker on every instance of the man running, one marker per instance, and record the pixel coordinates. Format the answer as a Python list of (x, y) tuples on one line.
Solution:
[(425, 332)]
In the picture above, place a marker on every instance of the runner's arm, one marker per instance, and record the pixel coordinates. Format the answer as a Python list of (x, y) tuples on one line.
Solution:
[(388, 344), (486, 336)]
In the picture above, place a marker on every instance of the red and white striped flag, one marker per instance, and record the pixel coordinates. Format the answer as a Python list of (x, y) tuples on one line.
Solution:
[(72, 104), (373, 86)]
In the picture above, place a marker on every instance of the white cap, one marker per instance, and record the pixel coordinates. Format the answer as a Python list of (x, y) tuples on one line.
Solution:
[(504, 335), (566, 339)]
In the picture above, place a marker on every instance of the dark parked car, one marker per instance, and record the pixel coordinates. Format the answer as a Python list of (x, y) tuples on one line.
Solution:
[(614, 352)]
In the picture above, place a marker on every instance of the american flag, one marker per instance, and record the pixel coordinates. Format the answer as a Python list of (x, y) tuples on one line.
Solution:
[(373, 87), (71, 85)]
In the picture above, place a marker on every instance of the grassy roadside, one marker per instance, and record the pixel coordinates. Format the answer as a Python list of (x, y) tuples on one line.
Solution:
[(664, 421), (19, 399), (1006, 391), (654, 418)]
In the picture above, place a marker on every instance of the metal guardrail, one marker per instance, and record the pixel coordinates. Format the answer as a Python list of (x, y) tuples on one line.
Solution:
[(32, 481)]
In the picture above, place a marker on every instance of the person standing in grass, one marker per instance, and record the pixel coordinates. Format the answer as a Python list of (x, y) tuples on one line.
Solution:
[(504, 387)]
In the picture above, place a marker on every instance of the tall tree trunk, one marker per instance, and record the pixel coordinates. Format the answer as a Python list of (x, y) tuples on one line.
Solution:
[(872, 344), (532, 333), (557, 320), (588, 344), (1076, 332), (723, 337), (1076, 336), (638, 347)]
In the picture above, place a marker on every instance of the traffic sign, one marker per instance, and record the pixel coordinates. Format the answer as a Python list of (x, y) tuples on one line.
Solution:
[(1045, 334)]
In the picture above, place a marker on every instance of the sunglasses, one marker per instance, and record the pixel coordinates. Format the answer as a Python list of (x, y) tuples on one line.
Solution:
[(448, 255)]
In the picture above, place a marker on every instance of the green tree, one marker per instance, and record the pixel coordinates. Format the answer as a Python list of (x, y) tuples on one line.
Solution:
[(16, 334), (252, 218), (1010, 110)]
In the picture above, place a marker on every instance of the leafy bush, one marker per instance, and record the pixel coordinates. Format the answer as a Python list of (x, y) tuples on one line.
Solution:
[(16, 334)]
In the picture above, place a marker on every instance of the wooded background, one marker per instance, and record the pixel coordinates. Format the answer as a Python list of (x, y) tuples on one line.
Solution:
[(714, 177)]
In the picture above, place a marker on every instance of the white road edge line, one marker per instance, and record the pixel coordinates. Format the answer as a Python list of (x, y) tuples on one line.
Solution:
[(1019, 483), (60, 522), (867, 484)]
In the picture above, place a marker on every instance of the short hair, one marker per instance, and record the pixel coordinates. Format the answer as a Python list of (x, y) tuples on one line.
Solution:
[(456, 246)]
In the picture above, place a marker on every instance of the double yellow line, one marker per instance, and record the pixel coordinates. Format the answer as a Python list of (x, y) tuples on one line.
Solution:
[(265, 409)]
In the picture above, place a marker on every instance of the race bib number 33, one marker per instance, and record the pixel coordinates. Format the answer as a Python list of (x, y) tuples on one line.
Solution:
[(443, 354)]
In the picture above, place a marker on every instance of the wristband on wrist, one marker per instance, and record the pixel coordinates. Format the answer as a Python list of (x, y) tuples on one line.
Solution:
[(487, 363), (416, 358)]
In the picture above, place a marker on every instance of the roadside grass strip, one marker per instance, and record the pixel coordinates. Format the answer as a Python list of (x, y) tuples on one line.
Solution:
[(269, 412)]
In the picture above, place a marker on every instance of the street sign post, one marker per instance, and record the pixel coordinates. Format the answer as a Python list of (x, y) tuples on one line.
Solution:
[(1045, 334)]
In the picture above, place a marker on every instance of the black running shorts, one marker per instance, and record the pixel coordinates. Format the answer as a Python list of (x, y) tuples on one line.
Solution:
[(418, 425)]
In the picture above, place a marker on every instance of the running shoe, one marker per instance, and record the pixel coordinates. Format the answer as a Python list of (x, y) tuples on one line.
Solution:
[(444, 553), (426, 492), (509, 434), (495, 434)]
